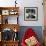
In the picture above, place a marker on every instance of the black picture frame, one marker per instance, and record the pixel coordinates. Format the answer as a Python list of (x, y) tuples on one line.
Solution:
[(30, 13)]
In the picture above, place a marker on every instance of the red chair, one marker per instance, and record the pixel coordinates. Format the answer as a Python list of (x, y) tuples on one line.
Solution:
[(29, 33)]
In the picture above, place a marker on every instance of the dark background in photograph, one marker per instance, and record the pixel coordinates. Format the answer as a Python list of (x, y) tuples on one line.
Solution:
[(37, 29)]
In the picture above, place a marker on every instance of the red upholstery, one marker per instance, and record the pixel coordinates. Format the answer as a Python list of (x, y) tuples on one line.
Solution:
[(29, 33)]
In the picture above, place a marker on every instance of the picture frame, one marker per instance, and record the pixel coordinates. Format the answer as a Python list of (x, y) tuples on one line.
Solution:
[(0, 36), (0, 19), (5, 12), (30, 13), (13, 12)]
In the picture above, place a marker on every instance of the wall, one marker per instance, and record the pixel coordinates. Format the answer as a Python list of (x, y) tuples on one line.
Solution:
[(6, 3), (26, 3), (30, 3)]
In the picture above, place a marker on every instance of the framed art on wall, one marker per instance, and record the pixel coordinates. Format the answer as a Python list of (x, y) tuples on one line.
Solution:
[(30, 13), (5, 12), (0, 19), (0, 36)]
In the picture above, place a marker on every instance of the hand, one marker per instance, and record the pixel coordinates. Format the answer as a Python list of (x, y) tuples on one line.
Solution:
[(32, 41)]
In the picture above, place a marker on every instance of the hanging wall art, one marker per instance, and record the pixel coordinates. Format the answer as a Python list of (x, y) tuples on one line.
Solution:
[(30, 13)]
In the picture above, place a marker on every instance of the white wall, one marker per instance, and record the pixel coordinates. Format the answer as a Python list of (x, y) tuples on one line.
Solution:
[(6, 3), (32, 3), (26, 3)]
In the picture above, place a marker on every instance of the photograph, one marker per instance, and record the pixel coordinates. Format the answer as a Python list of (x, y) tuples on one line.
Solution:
[(30, 13)]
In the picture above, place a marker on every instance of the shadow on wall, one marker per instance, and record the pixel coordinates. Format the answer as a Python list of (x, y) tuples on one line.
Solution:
[(37, 29)]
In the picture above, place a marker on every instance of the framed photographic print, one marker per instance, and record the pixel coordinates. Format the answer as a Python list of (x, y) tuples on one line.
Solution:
[(13, 12), (0, 19), (5, 12), (30, 13), (0, 36)]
